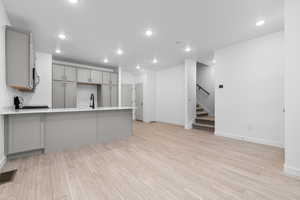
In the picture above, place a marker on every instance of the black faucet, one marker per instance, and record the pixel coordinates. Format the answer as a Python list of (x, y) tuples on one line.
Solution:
[(92, 101)]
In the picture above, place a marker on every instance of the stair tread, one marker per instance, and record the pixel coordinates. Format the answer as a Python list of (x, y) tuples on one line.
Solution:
[(201, 112), (208, 118), (204, 125)]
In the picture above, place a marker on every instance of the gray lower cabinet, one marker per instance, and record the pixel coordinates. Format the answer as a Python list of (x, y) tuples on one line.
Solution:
[(24, 133), (55, 132), (69, 130), (64, 94)]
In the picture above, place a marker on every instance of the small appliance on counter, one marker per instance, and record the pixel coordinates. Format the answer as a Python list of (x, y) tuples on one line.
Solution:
[(19, 104)]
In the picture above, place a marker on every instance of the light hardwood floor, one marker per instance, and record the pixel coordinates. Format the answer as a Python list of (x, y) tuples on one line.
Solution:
[(159, 162)]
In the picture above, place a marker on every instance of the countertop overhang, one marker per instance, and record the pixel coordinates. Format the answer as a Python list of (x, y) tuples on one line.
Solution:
[(11, 111)]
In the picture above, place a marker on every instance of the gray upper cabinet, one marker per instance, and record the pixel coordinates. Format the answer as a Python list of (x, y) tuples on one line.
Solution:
[(70, 74), (110, 78), (84, 75), (58, 72), (114, 78), (96, 77), (64, 73), (106, 78), (19, 59)]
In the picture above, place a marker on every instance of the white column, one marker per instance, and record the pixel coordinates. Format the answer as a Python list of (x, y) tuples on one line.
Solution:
[(120, 86), (292, 92), (190, 92)]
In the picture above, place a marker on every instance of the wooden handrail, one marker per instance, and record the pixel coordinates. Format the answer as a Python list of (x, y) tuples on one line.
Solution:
[(204, 90)]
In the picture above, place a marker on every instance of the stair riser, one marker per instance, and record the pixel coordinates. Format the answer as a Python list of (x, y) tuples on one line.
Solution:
[(204, 128), (203, 121)]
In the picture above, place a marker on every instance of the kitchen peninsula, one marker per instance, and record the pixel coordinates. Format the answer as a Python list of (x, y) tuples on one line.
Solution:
[(55, 130)]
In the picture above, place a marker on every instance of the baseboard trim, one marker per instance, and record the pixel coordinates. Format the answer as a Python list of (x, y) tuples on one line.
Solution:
[(250, 139), (291, 171), (2, 162)]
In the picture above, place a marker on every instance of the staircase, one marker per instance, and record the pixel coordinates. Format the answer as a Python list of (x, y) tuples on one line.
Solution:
[(203, 121)]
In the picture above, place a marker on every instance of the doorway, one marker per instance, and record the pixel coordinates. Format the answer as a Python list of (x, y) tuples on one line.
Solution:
[(139, 101)]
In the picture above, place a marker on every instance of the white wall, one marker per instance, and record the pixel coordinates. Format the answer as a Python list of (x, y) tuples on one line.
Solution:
[(190, 76), (84, 93), (250, 106), (292, 82), (170, 95)]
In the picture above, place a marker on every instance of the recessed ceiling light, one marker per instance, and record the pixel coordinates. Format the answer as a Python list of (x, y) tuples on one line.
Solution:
[(214, 61), (73, 1), (187, 49), (149, 33), (62, 36), (58, 51), (105, 60), (260, 23), (154, 61), (138, 67), (120, 52)]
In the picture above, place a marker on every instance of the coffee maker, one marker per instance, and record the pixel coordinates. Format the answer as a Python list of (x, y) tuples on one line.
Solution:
[(18, 102)]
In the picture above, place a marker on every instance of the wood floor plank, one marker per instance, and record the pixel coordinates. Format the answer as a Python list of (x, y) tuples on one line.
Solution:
[(160, 161)]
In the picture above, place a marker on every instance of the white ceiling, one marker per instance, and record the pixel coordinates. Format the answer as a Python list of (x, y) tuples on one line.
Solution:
[(96, 28)]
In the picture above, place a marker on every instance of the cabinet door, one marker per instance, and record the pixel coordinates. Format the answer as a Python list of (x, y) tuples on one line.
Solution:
[(114, 78), (105, 95), (58, 72), (25, 133), (114, 95), (84, 75), (70, 74), (95, 76), (70, 95), (58, 94), (18, 69), (105, 77)]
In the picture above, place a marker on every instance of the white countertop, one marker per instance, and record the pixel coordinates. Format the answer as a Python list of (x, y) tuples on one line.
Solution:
[(11, 111)]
